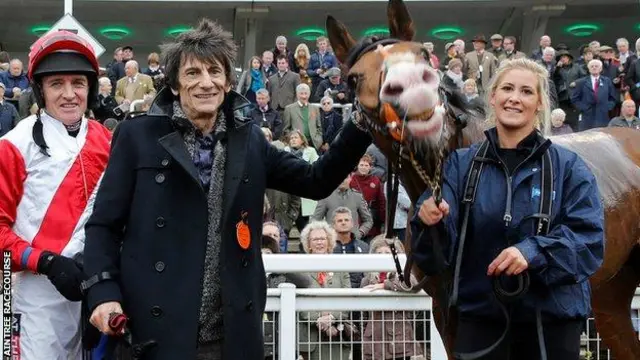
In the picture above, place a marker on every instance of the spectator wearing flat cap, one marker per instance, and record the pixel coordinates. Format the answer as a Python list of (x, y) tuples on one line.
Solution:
[(332, 86), (8, 114), (497, 48), (612, 68), (565, 77), (451, 52), (481, 64)]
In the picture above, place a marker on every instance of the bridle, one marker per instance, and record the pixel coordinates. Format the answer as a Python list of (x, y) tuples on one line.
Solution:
[(394, 131)]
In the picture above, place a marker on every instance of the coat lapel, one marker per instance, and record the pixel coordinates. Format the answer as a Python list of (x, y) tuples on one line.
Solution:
[(236, 161), (174, 144)]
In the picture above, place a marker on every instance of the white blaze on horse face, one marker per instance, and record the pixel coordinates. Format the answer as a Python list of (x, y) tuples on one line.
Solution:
[(410, 84)]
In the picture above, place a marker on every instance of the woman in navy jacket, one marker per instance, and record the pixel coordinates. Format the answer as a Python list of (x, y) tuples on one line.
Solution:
[(501, 240)]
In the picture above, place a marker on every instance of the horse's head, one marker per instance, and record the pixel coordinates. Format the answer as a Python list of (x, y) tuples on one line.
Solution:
[(400, 95)]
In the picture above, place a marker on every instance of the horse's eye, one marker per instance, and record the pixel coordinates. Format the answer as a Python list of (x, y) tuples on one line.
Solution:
[(352, 80)]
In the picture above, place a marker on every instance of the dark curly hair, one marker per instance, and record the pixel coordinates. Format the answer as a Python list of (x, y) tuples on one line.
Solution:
[(207, 42)]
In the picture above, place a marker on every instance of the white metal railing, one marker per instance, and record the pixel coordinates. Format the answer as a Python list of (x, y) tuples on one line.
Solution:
[(288, 301)]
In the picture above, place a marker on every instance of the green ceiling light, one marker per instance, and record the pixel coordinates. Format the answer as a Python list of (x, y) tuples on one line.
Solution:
[(39, 30), (377, 30), (582, 30), (115, 32), (446, 32), (310, 33), (177, 30)]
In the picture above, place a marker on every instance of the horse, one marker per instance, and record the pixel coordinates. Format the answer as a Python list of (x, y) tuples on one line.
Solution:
[(428, 121)]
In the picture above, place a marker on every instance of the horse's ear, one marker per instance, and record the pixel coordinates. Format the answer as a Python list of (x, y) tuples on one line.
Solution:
[(400, 23), (339, 38)]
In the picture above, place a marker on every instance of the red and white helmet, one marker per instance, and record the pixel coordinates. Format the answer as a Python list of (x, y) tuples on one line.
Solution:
[(62, 52)]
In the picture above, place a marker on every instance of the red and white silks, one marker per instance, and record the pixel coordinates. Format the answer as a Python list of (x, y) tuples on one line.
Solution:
[(45, 201)]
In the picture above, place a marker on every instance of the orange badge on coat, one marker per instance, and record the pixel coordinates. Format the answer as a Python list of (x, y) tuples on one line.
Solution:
[(243, 234)]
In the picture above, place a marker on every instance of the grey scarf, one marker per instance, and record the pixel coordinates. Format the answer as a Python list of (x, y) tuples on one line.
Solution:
[(210, 323)]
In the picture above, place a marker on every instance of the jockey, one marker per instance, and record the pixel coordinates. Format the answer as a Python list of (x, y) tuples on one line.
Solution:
[(51, 165)]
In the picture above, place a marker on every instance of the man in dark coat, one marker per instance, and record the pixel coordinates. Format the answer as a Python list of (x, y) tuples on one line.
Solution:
[(594, 96), (174, 241)]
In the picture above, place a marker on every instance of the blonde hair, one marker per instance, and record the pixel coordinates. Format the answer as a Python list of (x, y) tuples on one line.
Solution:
[(543, 117), (318, 225), (473, 83), (304, 47)]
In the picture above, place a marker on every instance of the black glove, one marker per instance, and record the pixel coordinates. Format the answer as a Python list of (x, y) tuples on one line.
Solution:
[(64, 273)]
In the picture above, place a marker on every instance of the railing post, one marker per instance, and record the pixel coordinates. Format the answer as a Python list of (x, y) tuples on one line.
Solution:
[(287, 328), (438, 350)]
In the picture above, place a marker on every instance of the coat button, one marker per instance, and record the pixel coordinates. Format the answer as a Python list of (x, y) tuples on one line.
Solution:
[(160, 222), (249, 306), (159, 266), (245, 179), (165, 162), (245, 262), (156, 311), (160, 178)]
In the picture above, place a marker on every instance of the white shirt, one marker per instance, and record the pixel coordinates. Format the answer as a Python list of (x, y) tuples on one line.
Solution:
[(593, 81)]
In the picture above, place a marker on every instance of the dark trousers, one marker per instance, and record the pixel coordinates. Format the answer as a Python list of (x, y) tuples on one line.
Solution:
[(562, 339)]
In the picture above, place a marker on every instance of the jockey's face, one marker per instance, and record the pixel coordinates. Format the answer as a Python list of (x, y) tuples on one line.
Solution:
[(65, 96)]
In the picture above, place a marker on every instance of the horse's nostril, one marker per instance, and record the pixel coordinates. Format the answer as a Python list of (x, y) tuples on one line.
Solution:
[(426, 76), (393, 90)]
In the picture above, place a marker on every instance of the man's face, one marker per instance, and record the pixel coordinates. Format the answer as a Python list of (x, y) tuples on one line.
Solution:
[(547, 57), (15, 68), (283, 65), (65, 96), (496, 44), (118, 55), (545, 41), (335, 80), (623, 48), (202, 87), (342, 223), (267, 58), (628, 108), (595, 68), (478, 45), (322, 45), (127, 54), (508, 45), (130, 70), (281, 45), (303, 96), (607, 55), (105, 88), (262, 100)]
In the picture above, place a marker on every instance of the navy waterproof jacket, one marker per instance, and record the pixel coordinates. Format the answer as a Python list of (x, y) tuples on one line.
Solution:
[(559, 263)]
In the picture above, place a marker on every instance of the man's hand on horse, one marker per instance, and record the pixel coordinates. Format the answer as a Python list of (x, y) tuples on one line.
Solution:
[(510, 261), (430, 213)]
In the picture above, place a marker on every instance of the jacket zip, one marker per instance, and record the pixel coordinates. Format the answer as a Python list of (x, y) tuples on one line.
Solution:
[(507, 213)]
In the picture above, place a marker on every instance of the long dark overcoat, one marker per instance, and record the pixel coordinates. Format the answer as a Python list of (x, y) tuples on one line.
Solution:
[(149, 227)]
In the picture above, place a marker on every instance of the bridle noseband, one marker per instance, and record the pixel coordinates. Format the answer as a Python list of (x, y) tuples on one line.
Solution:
[(399, 146)]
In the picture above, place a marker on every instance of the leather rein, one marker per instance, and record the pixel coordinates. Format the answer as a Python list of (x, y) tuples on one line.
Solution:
[(395, 133)]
